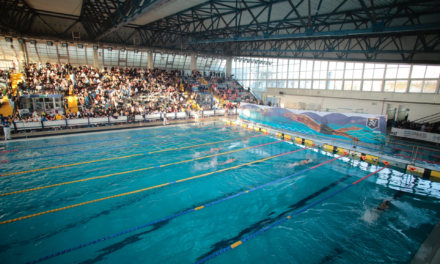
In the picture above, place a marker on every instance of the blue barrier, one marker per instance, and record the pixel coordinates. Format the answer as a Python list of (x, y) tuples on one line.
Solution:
[(112, 139), (99, 149)]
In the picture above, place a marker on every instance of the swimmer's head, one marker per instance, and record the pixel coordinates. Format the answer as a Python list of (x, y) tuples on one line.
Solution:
[(387, 202), (310, 160)]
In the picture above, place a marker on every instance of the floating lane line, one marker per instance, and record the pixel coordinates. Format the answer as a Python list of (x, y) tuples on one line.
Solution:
[(145, 189), (99, 149), (176, 215), (279, 222), (93, 161), (106, 140), (127, 172)]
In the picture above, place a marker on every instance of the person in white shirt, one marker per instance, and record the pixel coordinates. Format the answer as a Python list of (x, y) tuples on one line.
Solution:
[(165, 121), (196, 116)]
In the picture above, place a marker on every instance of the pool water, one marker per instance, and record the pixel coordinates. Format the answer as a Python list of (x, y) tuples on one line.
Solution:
[(343, 229)]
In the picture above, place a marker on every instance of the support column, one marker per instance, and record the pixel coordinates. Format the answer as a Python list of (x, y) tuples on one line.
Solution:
[(228, 67), (193, 62), (95, 59), (150, 61)]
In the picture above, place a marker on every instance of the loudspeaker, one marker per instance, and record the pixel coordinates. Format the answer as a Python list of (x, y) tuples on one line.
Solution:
[(281, 92)]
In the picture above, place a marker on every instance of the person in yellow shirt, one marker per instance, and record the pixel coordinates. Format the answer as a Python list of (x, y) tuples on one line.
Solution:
[(58, 116)]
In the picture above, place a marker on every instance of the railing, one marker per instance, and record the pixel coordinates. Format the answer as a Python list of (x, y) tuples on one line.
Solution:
[(109, 121), (409, 153), (437, 115)]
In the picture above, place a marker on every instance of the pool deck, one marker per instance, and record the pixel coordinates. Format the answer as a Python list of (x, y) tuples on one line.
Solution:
[(140, 125), (429, 251)]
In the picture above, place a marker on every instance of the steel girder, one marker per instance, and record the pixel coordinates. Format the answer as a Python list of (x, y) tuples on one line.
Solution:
[(16, 16), (101, 17), (223, 21), (398, 48)]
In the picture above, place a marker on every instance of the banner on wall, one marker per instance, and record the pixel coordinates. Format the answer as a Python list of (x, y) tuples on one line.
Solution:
[(349, 126), (431, 137)]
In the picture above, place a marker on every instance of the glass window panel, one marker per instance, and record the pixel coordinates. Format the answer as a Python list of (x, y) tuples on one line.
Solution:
[(42, 52), (403, 71), (389, 85), (73, 55), (32, 52), (429, 86), (52, 52), (281, 84), (391, 72), (415, 86), (379, 70), (433, 72), (418, 72), (331, 85), (377, 86), (347, 85), (338, 85), (401, 86), (356, 86), (81, 55), (315, 85), (89, 55), (367, 86)]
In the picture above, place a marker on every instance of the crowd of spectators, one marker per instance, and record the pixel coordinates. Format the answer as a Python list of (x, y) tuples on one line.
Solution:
[(119, 92), (424, 127)]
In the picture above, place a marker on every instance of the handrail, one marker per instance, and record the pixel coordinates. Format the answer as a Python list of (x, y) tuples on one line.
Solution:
[(425, 117)]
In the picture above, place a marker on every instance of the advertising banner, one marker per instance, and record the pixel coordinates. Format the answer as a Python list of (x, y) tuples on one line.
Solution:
[(357, 127), (431, 137)]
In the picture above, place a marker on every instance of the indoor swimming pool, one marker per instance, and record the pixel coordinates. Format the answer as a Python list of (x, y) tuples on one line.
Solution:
[(168, 195)]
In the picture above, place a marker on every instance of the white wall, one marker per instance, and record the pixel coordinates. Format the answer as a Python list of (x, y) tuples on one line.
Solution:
[(419, 105)]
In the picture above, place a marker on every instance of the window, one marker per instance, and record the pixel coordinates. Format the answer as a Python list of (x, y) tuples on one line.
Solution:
[(320, 84), (336, 70), (294, 66), (374, 71), (353, 70), (342, 76), (306, 69), (282, 68), (433, 72), (281, 84), (418, 71), (334, 85), (397, 71), (375, 86), (305, 84), (320, 70), (429, 86), (398, 86), (292, 84), (416, 86)]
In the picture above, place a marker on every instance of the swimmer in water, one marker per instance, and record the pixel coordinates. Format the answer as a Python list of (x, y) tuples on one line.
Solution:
[(214, 150), (228, 161), (303, 162), (384, 206)]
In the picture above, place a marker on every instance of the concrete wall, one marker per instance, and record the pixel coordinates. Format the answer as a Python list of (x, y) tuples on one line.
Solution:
[(393, 104)]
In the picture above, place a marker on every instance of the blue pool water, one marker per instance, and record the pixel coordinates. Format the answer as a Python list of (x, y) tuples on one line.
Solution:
[(344, 229)]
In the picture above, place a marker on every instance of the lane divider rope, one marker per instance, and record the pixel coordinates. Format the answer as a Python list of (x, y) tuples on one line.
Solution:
[(279, 222), (177, 214), (146, 189), (93, 161), (137, 170), (106, 140), (99, 149)]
